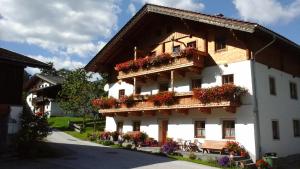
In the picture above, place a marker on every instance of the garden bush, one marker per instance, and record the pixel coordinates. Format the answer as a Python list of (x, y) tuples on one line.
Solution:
[(170, 147), (107, 142)]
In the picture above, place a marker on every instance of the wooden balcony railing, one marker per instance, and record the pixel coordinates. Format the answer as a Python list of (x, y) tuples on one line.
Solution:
[(193, 63), (185, 101)]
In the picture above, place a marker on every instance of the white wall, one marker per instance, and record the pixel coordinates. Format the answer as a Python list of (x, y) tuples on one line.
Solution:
[(280, 107), (14, 119)]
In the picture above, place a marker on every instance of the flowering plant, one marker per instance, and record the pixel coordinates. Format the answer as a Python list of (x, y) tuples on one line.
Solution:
[(163, 98), (169, 147), (227, 92), (233, 146), (127, 100), (105, 103), (262, 164), (224, 161), (190, 53), (105, 135)]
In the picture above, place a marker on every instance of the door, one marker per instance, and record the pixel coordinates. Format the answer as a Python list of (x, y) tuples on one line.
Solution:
[(163, 131)]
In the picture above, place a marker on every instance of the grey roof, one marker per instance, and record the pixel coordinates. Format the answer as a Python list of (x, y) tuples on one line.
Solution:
[(220, 21), (55, 80), (8, 56)]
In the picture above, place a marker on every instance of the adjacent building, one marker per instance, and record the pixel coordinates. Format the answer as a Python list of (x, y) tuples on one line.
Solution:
[(206, 51), (11, 84), (42, 91)]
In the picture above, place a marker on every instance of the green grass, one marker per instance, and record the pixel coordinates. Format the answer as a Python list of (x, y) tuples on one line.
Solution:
[(208, 163), (62, 123)]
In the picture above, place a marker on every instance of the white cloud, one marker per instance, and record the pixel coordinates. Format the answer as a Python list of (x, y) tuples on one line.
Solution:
[(59, 63), (193, 5), (60, 26), (267, 11), (132, 8)]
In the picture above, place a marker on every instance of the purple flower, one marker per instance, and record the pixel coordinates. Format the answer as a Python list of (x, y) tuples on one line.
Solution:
[(223, 161)]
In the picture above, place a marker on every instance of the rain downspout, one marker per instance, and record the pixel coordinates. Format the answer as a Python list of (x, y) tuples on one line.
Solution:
[(255, 101)]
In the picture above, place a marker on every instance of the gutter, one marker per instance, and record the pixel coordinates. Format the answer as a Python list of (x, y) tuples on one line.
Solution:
[(255, 100)]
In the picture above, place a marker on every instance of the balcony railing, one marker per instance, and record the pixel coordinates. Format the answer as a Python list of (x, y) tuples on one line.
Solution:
[(193, 60), (184, 102)]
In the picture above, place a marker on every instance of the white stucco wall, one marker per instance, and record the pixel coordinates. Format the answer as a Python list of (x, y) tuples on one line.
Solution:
[(280, 107), (14, 119)]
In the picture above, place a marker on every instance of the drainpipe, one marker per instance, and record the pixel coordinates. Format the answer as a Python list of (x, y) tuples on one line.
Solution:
[(255, 101)]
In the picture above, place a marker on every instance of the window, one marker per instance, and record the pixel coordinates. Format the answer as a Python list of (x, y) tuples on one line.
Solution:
[(120, 127), (138, 90), (121, 93), (228, 129), (191, 44), (275, 129), (293, 90), (272, 85), (199, 129), (227, 79), (176, 49), (136, 126), (196, 83), (163, 87), (220, 43), (296, 124)]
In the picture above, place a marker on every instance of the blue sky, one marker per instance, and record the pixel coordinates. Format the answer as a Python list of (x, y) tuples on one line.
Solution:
[(70, 34)]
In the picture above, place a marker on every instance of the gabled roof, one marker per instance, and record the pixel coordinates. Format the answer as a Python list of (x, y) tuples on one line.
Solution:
[(8, 56), (215, 20), (53, 80)]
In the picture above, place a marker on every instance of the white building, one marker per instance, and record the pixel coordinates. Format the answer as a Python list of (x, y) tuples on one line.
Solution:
[(42, 92), (245, 54)]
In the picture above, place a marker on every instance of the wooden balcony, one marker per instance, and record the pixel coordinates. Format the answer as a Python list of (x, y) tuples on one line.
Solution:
[(185, 101), (178, 63)]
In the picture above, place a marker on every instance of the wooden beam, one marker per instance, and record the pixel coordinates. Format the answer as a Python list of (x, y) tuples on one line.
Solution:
[(231, 109), (206, 110), (172, 80), (149, 113), (135, 113), (165, 112), (181, 72), (183, 111), (123, 114)]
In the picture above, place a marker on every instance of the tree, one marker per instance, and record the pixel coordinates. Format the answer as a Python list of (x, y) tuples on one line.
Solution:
[(49, 71), (78, 91)]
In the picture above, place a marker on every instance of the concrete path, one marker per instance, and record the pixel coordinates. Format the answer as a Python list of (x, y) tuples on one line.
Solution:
[(86, 155)]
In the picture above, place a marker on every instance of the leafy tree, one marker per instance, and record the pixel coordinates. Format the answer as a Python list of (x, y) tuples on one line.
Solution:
[(49, 71), (78, 91)]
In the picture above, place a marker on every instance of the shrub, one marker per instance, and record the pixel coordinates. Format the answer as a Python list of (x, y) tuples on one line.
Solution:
[(107, 143), (192, 156), (170, 147), (92, 137), (128, 146), (163, 98), (224, 161), (105, 135), (262, 164), (34, 128), (127, 137), (233, 146), (115, 135)]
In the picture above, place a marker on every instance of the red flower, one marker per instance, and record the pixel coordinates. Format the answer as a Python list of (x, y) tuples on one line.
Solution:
[(163, 98), (262, 164), (104, 103)]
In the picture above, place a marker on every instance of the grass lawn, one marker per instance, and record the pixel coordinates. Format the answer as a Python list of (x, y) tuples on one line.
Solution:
[(62, 123), (208, 163)]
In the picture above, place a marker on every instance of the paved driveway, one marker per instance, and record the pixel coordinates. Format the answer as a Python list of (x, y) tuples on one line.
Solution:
[(87, 155)]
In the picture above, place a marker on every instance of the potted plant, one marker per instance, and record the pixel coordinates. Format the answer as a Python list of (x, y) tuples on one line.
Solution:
[(127, 100), (262, 164), (163, 98)]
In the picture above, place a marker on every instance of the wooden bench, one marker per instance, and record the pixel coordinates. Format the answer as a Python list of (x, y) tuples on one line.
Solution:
[(213, 145)]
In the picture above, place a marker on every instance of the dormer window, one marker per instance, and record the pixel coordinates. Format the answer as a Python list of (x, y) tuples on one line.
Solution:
[(220, 43), (191, 44), (176, 49)]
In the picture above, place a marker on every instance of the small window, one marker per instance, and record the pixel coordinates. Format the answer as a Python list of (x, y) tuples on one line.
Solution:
[(121, 93), (120, 127), (275, 129), (196, 83), (293, 90), (228, 129), (296, 124), (272, 86), (199, 129), (176, 49), (220, 43), (138, 90), (163, 87), (136, 126), (227, 79), (191, 44)]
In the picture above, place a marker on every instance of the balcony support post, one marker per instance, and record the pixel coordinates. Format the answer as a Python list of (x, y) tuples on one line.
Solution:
[(134, 79), (172, 80)]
